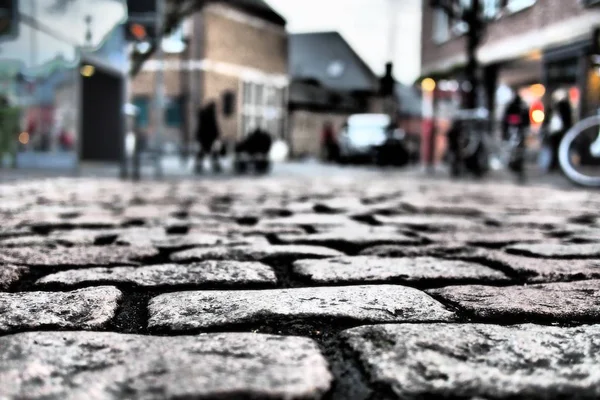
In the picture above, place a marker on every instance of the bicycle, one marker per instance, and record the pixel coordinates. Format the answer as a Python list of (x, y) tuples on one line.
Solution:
[(585, 134)]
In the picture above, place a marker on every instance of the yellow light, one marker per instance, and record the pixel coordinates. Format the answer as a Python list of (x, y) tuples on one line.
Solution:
[(538, 90), (537, 116), (428, 85), (23, 137), (87, 70)]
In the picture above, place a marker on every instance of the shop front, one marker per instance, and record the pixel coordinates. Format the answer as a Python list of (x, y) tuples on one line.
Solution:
[(54, 81)]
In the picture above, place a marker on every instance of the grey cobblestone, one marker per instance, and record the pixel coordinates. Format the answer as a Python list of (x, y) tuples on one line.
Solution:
[(77, 256), (103, 365), (80, 309), (9, 274), (480, 361), (315, 260), (383, 303), (196, 274), (562, 301), (418, 269), (254, 253)]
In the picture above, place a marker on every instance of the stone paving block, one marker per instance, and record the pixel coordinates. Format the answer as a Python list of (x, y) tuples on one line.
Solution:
[(556, 250), (89, 308), (350, 239), (474, 361), (408, 269), (557, 302), (254, 253), (431, 222), (539, 269), (180, 311), (76, 256), (314, 220), (178, 242), (488, 236), (440, 250), (104, 365), (9, 274), (204, 273)]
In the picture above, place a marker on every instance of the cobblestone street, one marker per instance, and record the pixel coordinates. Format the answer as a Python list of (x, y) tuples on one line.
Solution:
[(367, 286)]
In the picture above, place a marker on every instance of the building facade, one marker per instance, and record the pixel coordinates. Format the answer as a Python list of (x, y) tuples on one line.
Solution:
[(233, 54), (538, 48)]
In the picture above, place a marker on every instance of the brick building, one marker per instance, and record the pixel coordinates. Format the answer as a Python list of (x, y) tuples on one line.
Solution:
[(233, 53), (536, 47)]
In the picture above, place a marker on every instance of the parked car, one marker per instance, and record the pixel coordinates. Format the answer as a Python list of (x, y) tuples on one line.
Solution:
[(361, 136)]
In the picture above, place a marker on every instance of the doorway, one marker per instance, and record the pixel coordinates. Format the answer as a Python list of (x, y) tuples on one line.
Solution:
[(101, 114)]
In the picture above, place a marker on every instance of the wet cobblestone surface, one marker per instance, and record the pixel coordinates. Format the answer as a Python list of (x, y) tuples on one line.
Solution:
[(323, 288)]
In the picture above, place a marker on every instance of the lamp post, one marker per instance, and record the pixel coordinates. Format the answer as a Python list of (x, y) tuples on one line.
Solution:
[(159, 89)]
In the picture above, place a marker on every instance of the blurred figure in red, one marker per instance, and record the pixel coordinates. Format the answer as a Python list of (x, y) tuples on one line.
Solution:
[(329, 143)]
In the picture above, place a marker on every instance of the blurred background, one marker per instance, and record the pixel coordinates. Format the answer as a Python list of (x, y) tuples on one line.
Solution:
[(177, 84)]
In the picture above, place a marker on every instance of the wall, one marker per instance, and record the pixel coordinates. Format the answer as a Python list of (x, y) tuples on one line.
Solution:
[(306, 128), (505, 37)]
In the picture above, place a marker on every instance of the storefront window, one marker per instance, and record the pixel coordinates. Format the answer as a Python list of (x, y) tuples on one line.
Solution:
[(41, 75)]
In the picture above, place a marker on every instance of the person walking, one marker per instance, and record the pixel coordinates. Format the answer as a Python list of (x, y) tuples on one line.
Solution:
[(514, 131), (561, 120), (207, 135)]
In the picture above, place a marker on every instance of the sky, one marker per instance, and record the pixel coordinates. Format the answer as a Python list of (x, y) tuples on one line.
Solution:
[(367, 26)]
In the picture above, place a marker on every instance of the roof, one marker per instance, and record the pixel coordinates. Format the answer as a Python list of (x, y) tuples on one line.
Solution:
[(329, 59), (258, 8)]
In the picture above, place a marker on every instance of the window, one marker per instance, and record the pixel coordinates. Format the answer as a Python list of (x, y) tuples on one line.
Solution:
[(143, 116), (441, 26), (263, 106), (173, 116)]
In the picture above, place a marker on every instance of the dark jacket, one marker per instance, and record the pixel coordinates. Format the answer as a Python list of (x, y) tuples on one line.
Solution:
[(208, 128), (516, 113)]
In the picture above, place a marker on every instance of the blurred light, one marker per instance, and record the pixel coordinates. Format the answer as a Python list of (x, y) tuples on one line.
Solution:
[(428, 85), (536, 112), (24, 137), (574, 95), (537, 116), (138, 31), (88, 70), (453, 85), (538, 90), (466, 86)]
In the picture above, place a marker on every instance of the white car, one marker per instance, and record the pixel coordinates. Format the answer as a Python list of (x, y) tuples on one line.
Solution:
[(362, 135)]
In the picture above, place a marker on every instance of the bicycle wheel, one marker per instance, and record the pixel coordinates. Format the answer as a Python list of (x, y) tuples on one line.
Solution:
[(578, 155)]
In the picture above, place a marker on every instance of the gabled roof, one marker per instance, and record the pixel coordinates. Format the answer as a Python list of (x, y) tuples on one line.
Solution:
[(329, 59), (258, 8)]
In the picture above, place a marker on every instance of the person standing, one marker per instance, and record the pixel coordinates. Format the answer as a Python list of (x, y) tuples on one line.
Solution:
[(561, 121), (328, 142)]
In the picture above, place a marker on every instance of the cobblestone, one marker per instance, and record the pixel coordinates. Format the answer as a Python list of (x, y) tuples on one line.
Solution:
[(375, 286), (80, 309), (561, 302), (103, 365), (168, 275), (369, 269), (254, 253), (383, 303), (77, 256), (480, 361), (552, 250), (9, 274)]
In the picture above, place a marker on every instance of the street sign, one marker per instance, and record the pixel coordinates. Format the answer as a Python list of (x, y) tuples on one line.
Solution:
[(9, 11)]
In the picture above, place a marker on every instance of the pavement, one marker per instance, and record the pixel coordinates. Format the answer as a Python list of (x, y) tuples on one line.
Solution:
[(333, 283)]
